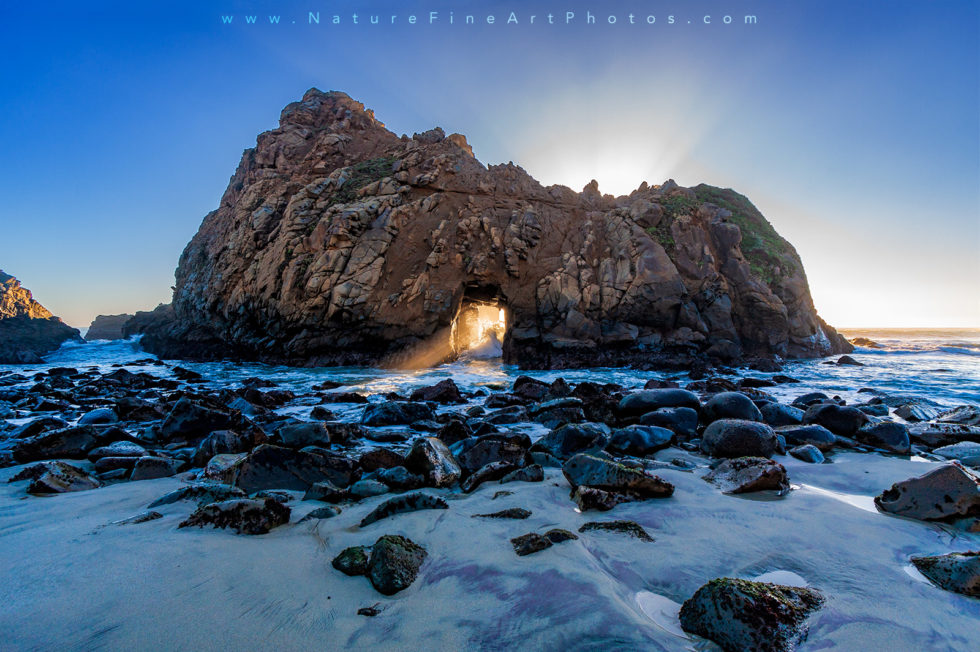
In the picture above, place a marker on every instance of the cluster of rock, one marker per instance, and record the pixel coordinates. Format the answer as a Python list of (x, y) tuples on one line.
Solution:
[(28, 330), (338, 242), (243, 459)]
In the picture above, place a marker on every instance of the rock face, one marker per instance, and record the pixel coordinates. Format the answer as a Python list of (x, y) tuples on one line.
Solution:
[(17, 301), (107, 327), (337, 242), (27, 329)]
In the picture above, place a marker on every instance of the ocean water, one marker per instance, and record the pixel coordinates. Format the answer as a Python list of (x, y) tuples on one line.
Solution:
[(941, 366)]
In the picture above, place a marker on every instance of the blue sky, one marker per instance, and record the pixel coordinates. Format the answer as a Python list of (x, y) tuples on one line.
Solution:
[(853, 125)]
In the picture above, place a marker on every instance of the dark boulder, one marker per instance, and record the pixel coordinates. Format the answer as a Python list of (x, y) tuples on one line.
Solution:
[(738, 438), (244, 515), (394, 563), (606, 475), (747, 474), (639, 440), (648, 400), (958, 571), (808, 453), (731, 405), (445, 391), (403, 504), (431, 459), (741, 615), (889, 435), (395, 413), (840, 420), (779, 414), (570, 439), (274, 467), (73, 443), (682, 421), (813, 434), (151, 468), (59, 477), (189, 421)]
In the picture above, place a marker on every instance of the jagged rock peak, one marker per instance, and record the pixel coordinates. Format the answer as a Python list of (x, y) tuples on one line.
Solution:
[(17, 301), (338, 242)]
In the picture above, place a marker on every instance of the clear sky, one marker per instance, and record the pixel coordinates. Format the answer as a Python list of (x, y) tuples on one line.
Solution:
[(852, 124)]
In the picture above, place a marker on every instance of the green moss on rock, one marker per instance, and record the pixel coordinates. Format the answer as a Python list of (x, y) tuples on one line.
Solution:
[(769, 255), (744, 615), (362, 174)]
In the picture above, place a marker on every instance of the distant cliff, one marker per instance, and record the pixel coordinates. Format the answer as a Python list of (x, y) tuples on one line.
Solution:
[(338, 242), (28, 330), (107, 327)]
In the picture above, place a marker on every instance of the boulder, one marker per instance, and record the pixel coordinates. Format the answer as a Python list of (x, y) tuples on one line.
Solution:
[(353, 561), (731, 405), (967, 415), (888, 435), (738, 438), (840, 420), (98, 416), (151, 468), (274, 467), (403, 504), (682, 421), (189, 421), (741, 615), (779, 414), (203, 493), (747, 474), (120, 448), (967, 452), (648, 400), (935, 435), (300, 435), (221, 442), (59, 477), (606, 475), (945, 493), (431, 459), (532, 473), (394, 563), (803, 435), (808, 453), (639, 440), (629, 528), (445, 391), (395, 413), (957, 571), (73, 443), (565, 441), (244, 515), (24, 340), (473, 454)]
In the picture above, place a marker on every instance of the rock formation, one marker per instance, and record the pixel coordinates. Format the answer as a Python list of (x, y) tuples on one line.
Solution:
[(17, 301), (338, 242), (107, 327), (28, 330)]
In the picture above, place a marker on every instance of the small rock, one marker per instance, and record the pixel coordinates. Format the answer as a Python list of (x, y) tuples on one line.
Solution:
[(567, 440), (967, 452), (532, 473), (889, 435), (513, 512), (848, 360), (631, 528), (321, 512), (204, 494), (353, 561), (368, 489), (444, 391), (682, 421), (430, 458), (142, 517), (778, 414), (606, 475), (639, 440), (395, 413), (97, 417), (808, 453), (813, 435), (840, 420), (532, 542)]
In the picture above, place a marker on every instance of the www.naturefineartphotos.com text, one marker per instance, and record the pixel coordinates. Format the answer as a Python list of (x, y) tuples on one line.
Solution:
[(509, 18)]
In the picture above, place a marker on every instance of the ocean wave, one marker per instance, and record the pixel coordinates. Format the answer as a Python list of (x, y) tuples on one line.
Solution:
[(960, 350)]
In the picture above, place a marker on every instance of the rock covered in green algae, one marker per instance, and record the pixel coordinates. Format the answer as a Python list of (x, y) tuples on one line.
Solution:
[(353, 561), (392, 563), (742, 615), (244, 515), (632, 528), (957, 571)]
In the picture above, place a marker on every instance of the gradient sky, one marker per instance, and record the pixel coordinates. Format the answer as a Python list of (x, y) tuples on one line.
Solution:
[(852, 124)]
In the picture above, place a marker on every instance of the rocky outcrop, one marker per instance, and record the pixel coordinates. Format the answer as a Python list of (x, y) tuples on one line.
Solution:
[(27, 329), (108, 327), (17, 301), (338, 242)]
